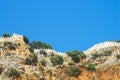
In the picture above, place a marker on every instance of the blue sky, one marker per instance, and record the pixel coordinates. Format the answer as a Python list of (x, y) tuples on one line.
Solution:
[(65, 24)]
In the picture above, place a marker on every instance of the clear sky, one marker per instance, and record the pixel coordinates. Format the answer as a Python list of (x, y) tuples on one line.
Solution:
[(65, 24)]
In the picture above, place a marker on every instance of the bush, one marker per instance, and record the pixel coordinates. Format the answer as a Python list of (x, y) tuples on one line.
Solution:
[(118, 56), (31, 49), (118, 41), (108, 53), (91, 67), (39, 45), (28, 61), (76, 55), (73, 71), (57, 60), (43, 62), (1, 69), (7, 54), (43, 52), (95, 55), (10, 45), (6, 35), (7, 43), (12, 73), (32, 60), (70, 63), (26, 40)]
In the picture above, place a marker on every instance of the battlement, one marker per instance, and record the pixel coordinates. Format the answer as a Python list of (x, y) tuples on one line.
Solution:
[(49, 51), (13, 38), (103, 45)]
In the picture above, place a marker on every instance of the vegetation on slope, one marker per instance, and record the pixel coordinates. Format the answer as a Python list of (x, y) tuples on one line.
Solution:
[(5, 35), (57, 60), (12, 73), (91, 67), (76, 55), (46, 64), (31, 60), (73, 71)]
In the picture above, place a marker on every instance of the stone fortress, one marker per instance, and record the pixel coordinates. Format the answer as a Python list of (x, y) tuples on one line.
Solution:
[(18, 40), (15, 37), (108, 65), (102, 45)]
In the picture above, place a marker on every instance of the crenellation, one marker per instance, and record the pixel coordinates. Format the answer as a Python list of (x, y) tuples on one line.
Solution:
[(48, 51), (102, 45), (12, 39)]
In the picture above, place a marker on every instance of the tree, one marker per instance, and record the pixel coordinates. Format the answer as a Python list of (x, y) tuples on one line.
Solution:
[(43, 52), (43, 62), (10, 45), (34, 59), (95, 55), (76, 55), (39, 45), (31, 60), (1, 69), (57, 60), (28, 61), (91, 67), (108, 53), (12, 72), (6, 35), (118, 41), (118, 56), (73, 71), (26, 40)]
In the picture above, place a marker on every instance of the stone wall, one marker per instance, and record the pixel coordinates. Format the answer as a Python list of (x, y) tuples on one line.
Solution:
[(12, 39), (106, 44)]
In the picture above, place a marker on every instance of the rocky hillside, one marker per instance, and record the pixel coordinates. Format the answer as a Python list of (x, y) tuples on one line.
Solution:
[(24, 61)]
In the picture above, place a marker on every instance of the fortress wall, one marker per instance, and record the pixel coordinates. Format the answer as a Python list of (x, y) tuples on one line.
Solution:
[(49, 51), (103, 45), (12, 39)]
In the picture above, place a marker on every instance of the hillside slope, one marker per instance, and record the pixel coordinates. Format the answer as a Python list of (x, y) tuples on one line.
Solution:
[(17, 62)]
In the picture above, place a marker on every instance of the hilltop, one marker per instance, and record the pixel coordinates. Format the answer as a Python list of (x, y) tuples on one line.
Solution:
[(24, 60)]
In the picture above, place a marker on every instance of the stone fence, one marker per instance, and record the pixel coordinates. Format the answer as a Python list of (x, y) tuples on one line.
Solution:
[(103, 45), (14, 37), (48, 51)]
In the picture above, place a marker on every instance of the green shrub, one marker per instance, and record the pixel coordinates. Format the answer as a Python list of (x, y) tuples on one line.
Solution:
[(31, 60), (43, 52), (95, 55), (70, 63), (10, 45), (43, 62), (57, 60), (108, 53), (118, 56), (6, 35), (76, 55), (26, 40), (1, 69), (6, 43), (73, 71), (7, 54), (28, 61), (118, 41), (31, 49), (91, 67), (34, 59), (12, 73), (39, 45)]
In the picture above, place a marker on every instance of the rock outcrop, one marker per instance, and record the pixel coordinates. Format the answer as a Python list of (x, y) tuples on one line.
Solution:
[(104, 56)]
